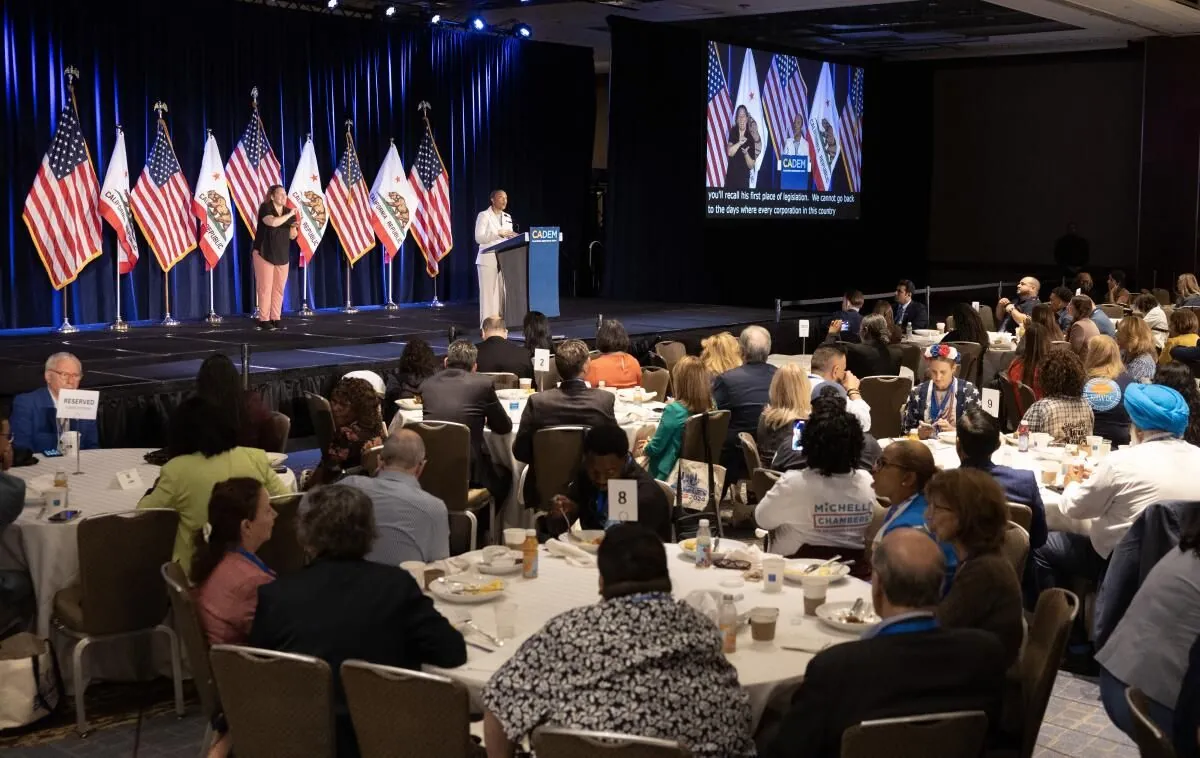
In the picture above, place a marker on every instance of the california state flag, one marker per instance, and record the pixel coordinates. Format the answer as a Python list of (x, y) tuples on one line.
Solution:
[(824, 129), (114, 206), (211, 205), (307, 197), (393, 203)]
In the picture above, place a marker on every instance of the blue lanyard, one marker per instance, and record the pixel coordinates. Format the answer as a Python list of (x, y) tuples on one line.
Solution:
[(254, 559), (907, 626), (935, 408)]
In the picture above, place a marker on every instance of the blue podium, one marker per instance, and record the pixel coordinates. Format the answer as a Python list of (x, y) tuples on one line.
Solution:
[(528, 264)]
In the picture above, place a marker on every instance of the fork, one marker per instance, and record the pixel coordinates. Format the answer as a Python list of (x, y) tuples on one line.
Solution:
[(813, 567), (474, 628)]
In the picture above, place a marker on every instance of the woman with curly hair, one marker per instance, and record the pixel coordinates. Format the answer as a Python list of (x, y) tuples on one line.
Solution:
[(1179, 377), (1062, 413), (720, 353), (417, 363), (357, 428), (935, 404)]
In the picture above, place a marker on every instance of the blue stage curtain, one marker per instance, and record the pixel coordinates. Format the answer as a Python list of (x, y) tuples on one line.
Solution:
[(506, 113)]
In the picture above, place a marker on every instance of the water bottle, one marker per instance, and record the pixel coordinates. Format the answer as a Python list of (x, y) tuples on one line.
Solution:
[(703, 545), (908, 330), (728, 622), (1023, 437)]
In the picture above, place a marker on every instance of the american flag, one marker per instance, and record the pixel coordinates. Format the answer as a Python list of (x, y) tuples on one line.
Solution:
[(62, 210), (851, 131), (431, 226), (349, 206), (162, 203), (720, 116), (786, 96), (251, 170)]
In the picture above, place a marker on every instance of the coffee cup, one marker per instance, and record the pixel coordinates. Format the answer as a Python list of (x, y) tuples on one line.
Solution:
[(1050, 471), (941, 327), (514, 538), (762, 623), (814, 598), (527, 385)]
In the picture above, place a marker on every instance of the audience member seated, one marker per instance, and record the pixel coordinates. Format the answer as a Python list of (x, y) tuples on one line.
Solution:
[(1156, 318), (1188, 290), (1183, 334), (1060, 300), (1122, 485), (1062, 412), (204, 450), (1043, 314), (744, 391), (909, 311), (1187, 708), (535, 328), (220, 384), (1083, 327), (618, 665), (1117, 294), (614, 367), (967, 510), (823, 510), (1150, 647), (829, 370), (1084, 283), (606, 456), (1027, 297), (968, 327), (935, 404), (872, 357), (978, 439), (908, 665), (460, 395), (720, 353), (1179, 377), (1104, 389), (382, 616), (499, 354), (225, 568), (16, 589), (1103, 323), (357, 426), (692, 387), (1137, 347), (572, 403), (900, 476), (412, 524), (1026, 367), (884, 308), (790, 455), (849, 317), (34, 419), (790, 400), (417, 363)]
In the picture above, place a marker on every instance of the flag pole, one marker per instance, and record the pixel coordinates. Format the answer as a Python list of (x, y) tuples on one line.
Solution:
[(119, 325), (168, 320), (390, 305), (424, 107), (67, 327), (435, 303), (305, 311), (256, 316), (349, 307), (213, 318)]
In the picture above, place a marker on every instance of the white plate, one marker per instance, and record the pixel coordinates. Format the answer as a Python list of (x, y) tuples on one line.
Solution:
[(440, 588), (831, 613), (950, 438), (409, 404), (585, 535), (512, 394), (794, 570), (926, 332), (487, 568), (276, 459), (727, 546), (634, 395)]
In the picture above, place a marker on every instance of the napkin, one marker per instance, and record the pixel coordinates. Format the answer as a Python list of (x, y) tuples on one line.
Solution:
[(573, 555), (803, 643), (751, 553), (40, 484)]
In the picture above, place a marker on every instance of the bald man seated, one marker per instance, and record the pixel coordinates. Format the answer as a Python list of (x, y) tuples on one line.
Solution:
[(907, 665)]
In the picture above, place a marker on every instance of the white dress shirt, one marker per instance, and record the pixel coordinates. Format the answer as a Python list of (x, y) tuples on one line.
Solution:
[(856, 406), (1128, 480), (805, 508), (488, 226), (1156, 319)]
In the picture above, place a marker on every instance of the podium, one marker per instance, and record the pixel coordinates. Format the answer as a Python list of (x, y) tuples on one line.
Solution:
[(528, 264)]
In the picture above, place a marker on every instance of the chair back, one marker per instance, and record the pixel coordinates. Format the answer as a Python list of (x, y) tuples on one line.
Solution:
[(295, 717), (762, 480), (550, 742), (447, 473), (1044, 646), (1060, 345), (987, 317), (191, 634), (1150, 739), (1008, 403), (281, 425), (120, 560), (370, 460), (969, 368), (428, 715), (1016, 547), (750, 451), (1025, 392), (933, 735), (282, 552), (671, 352), (1021, 515), (1162, 296), (557, 455), (910, 357), (1113, 310), (502, 380), (887, 396), (321, 413), (694, 434), (878, 514), (656, 380)]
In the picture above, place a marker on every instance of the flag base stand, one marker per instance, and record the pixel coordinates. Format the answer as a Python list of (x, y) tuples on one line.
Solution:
[(435, 303), (66, 328), (390, 306), (213, 318), (169, 320), (118, 326), (349, 309), (256, 315), (305, 311)]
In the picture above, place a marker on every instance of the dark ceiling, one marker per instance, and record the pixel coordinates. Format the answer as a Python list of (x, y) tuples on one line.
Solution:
[(876, 30)]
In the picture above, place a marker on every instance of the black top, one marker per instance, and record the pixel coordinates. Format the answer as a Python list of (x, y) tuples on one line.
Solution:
[(653, 510), (737, 174), (497, 354), (272, 242), (465, 398)]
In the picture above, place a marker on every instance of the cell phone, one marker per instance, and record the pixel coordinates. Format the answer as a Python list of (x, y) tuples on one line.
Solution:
[(51, 453), (845, 326), (63, 516), (797, 436)]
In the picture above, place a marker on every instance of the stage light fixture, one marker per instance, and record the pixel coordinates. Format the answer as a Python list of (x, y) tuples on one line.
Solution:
[(478, 24), (391, 11), (436, 18), (524, 31), (331, 4)]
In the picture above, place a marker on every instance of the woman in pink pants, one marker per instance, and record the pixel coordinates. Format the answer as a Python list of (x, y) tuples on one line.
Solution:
[(276, 230)]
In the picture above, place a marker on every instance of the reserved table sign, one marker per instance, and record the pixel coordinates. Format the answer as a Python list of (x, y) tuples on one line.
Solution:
[(82, 404)]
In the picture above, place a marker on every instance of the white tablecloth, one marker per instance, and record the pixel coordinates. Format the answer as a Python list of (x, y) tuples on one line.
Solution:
[(764, 669)]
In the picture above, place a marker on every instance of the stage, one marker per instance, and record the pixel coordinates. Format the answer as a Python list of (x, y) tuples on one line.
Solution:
[(143, 373)]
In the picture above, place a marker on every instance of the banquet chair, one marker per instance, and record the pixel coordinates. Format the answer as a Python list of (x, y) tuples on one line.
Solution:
[(550, 742), (671, 352), (886, 395), (878, 514), (971, 365), (703, 438), (1045, 643), (1011, 415), (195, 643), (1060, 344), (1150, 739), (910, 356), (750, 453), (1021, 515), (1016, 547), (987, 317), (447, 473), (370, 460), (934, 735), (1025, 393), (391, 707), (283, 553), (550, 378), (278, 705), (1113, 310), (119, 593), (321, 414), (669, 492), (656, 380), (762, 480), (502, 380), (282, 425), (557, 455)]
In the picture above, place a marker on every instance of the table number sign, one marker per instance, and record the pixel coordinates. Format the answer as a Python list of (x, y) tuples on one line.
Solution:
[(622, 500), (541, 360), (130, 479), (991, 402)]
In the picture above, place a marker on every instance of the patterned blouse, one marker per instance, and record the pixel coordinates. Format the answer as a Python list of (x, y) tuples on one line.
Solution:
[(643, 664), (1068, 419), (345, 451)]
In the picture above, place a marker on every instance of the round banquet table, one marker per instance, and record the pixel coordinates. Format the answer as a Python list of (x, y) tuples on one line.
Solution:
[(50, 552), (765, 670), (995, 360)]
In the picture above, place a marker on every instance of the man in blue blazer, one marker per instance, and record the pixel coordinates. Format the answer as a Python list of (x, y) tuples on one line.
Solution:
[(35, 416)]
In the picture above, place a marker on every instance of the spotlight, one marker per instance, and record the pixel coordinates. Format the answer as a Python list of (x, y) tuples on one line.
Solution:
[(391, 11), (437, 17), (331, 4), (524, 31), (478, 24)]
